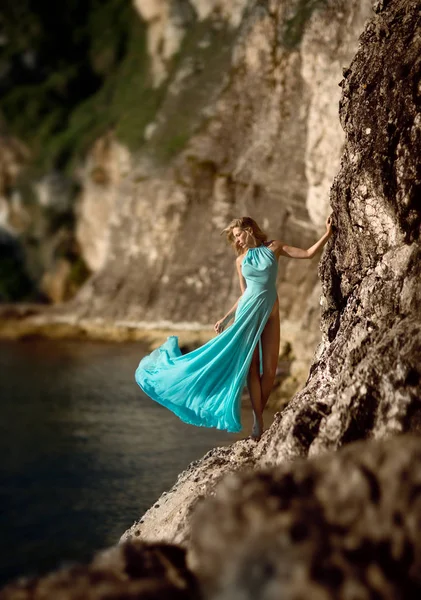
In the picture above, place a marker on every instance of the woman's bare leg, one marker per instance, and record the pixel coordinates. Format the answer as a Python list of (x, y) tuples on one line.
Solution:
[(254, 387), (270, 340)]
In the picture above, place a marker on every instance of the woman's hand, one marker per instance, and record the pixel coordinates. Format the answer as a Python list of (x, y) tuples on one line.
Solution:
[(329, 225), (219, 326)]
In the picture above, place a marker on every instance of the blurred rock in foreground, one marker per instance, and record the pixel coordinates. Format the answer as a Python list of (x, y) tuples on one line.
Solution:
[(344, 525), (134, 571)]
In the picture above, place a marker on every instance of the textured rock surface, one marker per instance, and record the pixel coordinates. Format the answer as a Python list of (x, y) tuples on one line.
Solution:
[(13, 156), (344, 525), (14, 279), (168, 22), (131, 572), (366, 377), (348, 522), (39, 257), (108, 162)]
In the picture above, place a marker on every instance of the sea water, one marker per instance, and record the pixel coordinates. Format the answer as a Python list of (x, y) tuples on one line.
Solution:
[(83, 452)]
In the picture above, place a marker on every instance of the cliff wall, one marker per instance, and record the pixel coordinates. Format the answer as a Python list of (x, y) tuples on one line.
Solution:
[(366, 376), (248, 126)]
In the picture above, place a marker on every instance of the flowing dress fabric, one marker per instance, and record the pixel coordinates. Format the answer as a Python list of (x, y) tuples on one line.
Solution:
[(204, 387)]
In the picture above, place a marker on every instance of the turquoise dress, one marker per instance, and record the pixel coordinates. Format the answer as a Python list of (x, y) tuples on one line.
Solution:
[(204, 387)]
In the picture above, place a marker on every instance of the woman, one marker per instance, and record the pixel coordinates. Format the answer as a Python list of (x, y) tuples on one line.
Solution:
[(204, 386)]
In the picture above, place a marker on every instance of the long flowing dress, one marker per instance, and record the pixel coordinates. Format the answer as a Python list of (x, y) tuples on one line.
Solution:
[(204, 387)]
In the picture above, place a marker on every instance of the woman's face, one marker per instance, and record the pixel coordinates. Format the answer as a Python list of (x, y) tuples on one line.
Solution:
[(240, 236)]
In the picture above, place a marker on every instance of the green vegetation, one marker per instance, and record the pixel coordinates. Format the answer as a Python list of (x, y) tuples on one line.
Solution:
[(76, 69), (72, 71), (294, 26), (80, 68)]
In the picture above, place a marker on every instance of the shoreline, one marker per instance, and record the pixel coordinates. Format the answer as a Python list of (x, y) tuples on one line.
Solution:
[(27, 321)]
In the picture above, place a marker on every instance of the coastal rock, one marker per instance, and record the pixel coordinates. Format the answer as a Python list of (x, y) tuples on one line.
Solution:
[(168, 21), (133, 571), (365, 381), (344, 525), (39, 258), (344, 522)]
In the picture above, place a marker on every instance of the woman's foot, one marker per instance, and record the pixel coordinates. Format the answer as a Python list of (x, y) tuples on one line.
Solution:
[(257, 429)]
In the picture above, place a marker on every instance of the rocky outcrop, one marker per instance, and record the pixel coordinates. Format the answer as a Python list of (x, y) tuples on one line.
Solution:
[(366, 377), (345, 525), (168, 22), (132, 572), (14, 155), (39, 257), (14, 279)]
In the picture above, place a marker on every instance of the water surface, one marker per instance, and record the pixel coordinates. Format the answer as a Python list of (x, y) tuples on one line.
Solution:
[(83, 451)]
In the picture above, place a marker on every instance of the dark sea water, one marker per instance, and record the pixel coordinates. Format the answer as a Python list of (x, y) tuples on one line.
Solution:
[(83, 453)]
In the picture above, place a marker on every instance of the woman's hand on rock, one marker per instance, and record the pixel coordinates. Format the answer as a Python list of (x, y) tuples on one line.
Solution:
[(329, 224)]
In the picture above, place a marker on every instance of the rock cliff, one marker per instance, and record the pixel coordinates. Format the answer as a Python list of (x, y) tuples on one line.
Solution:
[(365, 379)]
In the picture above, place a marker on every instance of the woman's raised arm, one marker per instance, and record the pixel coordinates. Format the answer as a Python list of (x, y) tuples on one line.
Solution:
[(292, 252)]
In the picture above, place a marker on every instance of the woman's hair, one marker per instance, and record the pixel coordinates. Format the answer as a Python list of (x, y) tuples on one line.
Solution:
[(244, 223)]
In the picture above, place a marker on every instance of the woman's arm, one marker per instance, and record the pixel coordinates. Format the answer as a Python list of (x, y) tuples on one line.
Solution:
[(292, 252), (243, 284), (221, 324)]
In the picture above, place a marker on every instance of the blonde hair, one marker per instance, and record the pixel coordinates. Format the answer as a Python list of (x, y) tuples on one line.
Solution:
[(244, 223)]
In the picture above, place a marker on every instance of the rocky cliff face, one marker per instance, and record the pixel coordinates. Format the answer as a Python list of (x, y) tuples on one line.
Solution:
[(342, 526), (39, 259), (365, 379), (248, 126)]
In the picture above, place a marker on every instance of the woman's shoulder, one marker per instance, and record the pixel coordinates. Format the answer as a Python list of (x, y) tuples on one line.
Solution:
[(272, 244), (275, 246)]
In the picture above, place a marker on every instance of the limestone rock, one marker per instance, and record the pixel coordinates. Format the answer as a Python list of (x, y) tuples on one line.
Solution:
[(345, 523), (170, 517), (168, 21), (39, 256), (342, 525), (14, 155), (54, 283)]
